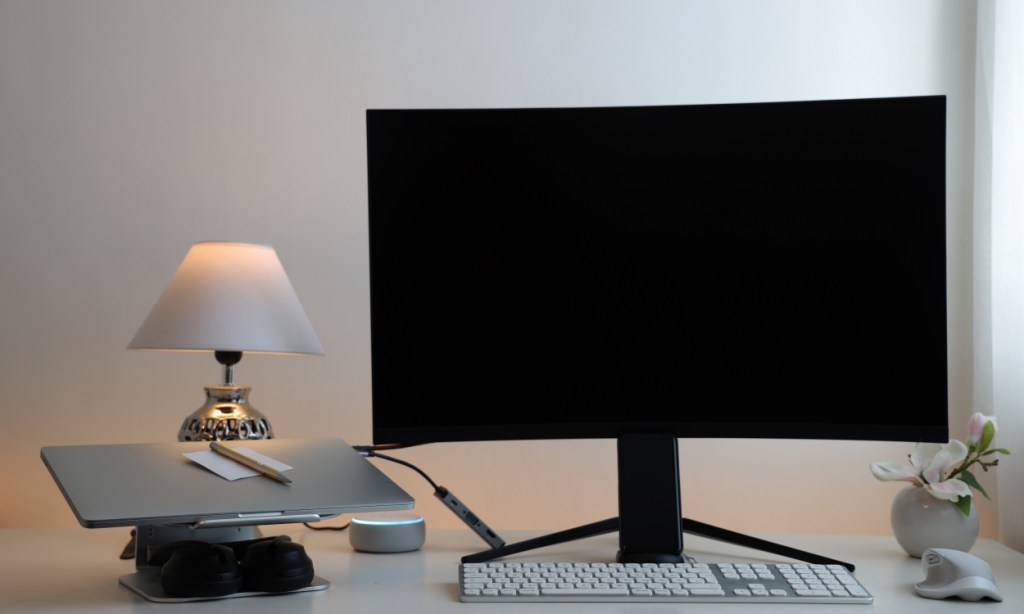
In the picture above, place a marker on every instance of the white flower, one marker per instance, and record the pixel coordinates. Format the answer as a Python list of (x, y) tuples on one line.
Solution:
[(944, 470), (930, 466)]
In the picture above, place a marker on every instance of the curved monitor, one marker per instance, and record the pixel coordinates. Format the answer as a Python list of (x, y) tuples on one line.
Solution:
[(771, 270)]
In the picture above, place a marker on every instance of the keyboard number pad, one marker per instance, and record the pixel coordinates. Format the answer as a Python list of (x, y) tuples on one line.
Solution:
[(820, 580)]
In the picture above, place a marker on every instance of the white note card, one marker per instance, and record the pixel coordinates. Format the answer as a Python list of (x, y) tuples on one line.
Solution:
[(229, 469)]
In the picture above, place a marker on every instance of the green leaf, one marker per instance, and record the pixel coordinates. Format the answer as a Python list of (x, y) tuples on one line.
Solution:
[(987, 434), (964, 505), (972, 481)]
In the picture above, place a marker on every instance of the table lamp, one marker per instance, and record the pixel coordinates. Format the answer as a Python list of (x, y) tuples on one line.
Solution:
[(228, 298)]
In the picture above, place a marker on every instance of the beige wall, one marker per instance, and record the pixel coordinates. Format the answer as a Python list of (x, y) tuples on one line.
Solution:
[(129, 130)]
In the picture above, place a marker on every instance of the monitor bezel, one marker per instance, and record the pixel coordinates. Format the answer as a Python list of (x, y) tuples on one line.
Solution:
[(491, 430)]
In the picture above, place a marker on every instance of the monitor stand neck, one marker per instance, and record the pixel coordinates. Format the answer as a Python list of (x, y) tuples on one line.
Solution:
[(649, 504), (650, 524)]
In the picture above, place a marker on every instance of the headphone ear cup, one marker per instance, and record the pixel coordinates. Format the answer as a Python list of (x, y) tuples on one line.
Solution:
[(276, 565), (198, 569)]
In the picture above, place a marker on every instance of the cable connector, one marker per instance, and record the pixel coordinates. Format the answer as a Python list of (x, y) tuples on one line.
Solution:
[(472, 520)]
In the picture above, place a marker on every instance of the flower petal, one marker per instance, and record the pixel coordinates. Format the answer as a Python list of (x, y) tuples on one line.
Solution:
[(889, 472), (948, 457), (950, 490), (922, 455), (975, 428)]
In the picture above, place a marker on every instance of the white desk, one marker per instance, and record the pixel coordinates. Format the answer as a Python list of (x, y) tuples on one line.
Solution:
[(76, 570)]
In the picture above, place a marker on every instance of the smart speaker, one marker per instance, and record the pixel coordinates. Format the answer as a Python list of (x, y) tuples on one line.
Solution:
[(387, 533)]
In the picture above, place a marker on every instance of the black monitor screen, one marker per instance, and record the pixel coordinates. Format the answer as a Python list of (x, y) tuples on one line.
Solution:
[(736, 270)]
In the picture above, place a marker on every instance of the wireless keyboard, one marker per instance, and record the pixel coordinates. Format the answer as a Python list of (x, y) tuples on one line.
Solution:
[(513, 582)]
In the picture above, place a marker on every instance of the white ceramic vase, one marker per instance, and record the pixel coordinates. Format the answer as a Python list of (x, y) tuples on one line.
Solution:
[(920, 521)]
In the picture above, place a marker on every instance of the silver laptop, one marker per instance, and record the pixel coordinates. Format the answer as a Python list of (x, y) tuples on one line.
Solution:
[(153, 484)]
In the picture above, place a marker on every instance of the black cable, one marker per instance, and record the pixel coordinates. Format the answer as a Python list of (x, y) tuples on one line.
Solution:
[(341, 528), (374, 454), (446, 496), (371, 451)]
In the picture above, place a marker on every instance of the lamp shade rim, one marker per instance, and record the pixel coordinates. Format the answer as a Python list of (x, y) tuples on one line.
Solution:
[(248, 352)]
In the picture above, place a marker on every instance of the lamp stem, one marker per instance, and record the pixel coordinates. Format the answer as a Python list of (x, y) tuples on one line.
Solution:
[(229, 360)]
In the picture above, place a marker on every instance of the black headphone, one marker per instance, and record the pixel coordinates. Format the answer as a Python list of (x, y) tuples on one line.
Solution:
[(201, 569)]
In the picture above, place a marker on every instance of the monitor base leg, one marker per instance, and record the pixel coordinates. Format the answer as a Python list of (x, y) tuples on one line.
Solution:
[(693, 527)]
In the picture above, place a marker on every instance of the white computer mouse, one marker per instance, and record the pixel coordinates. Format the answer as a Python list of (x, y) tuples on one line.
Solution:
[(952, 573)]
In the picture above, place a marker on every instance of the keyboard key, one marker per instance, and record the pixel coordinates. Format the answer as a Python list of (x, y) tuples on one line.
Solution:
[(706, 591), (589, 592)]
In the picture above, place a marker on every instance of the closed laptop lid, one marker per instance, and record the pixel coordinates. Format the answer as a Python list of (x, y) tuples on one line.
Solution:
[(154, 484)]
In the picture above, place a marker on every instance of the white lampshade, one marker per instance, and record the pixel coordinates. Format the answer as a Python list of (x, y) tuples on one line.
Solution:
[(229, 297)]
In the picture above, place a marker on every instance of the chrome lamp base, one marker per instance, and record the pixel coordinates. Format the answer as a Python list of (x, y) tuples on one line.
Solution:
[(226, 415)]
